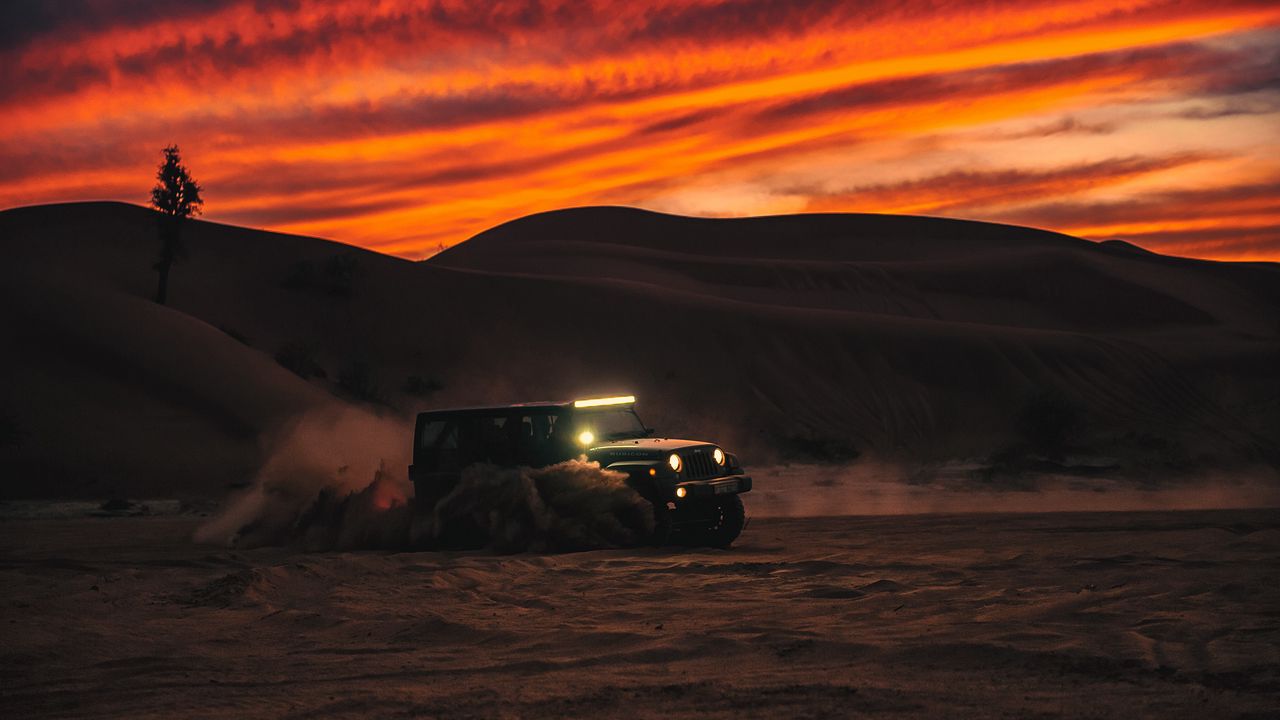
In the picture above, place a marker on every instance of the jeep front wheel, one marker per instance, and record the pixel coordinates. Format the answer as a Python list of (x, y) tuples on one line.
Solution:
[(728, 517)]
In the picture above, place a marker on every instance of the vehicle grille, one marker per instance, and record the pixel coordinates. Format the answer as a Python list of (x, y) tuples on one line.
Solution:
[(698, 463)]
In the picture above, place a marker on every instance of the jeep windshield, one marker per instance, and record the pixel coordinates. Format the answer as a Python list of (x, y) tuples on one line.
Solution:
[(612, 424)]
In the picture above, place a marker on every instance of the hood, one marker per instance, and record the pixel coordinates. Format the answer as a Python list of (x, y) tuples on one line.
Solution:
[(640, 447)]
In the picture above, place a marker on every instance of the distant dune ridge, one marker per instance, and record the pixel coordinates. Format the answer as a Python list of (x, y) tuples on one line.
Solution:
[(815, 337)]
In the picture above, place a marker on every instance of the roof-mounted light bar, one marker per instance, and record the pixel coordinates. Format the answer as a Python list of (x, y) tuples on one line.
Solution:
[(599, 402)]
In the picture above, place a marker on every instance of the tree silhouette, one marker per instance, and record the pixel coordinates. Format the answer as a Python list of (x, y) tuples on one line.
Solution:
[(177, 197)]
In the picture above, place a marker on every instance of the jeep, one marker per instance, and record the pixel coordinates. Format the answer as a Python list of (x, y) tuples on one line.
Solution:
[(694, 486)]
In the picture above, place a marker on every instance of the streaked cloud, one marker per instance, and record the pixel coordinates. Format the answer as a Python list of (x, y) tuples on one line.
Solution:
[(960, 190), (403, 125)]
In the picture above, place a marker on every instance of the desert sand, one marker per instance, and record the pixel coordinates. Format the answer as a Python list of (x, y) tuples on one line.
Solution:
[(919, 400), (1168, 614)]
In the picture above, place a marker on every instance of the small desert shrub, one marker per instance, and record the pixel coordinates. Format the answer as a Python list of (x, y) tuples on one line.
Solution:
[(300, 359), (335, 276), (338, 274), (1047, 422), (357, 379), (301, 276), (1045, 427), (418, 386)]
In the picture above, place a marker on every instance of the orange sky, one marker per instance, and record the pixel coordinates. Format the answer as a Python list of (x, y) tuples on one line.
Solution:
[(405, 126)]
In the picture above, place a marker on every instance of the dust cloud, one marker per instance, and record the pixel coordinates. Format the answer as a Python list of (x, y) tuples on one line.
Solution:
[(327, 459), (574, 505), (336, 480), (871, 487)]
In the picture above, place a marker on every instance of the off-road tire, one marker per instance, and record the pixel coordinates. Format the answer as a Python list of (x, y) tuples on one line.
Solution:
[(729, 517)]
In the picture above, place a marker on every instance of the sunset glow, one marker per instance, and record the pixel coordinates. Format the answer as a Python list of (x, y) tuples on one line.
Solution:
[(405, 126)]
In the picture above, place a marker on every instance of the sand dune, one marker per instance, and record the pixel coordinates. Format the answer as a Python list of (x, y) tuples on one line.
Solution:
[(893, 365), (914, 340), (1082, 615)]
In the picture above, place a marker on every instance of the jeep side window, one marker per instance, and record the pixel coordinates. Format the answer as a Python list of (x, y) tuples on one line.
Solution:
[(520, 439), (439, 446), (452, 444), (449, 438), (541, 447), (470, 447), (493, 440), (431, 432), (561, 443), (447, 449)]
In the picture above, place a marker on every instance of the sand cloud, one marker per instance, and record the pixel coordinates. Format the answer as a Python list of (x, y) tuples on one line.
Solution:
[(335, 479)]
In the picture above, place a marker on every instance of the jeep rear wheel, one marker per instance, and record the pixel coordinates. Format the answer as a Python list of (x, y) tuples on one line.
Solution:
[(728, 517)]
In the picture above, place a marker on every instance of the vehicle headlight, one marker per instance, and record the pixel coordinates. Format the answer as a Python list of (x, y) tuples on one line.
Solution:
[(674, 462), (586, 436), (718, 454)]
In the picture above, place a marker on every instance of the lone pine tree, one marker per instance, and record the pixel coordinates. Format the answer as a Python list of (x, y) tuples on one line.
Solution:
[(177, 197)]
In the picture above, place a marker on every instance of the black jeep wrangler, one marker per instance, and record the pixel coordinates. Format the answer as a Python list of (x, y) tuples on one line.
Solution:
[(694, 486)]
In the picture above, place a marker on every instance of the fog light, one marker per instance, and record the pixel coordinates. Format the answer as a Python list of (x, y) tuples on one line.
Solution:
[(681, 492), (585, 437)]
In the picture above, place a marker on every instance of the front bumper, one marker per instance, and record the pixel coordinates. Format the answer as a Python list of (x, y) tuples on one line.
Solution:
[(712, 487)]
